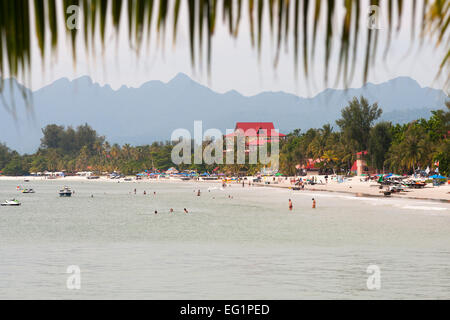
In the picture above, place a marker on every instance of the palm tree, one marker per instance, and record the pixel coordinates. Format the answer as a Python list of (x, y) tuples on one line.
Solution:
[(415, 149), (23, 21)]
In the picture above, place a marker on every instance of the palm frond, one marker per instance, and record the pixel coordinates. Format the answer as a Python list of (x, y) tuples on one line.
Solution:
[(23, 22)]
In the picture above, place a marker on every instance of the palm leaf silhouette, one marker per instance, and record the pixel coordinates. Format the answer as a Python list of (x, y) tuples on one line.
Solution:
[(24, 21)]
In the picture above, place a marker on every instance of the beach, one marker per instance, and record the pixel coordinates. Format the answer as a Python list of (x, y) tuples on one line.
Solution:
[(356, 185)]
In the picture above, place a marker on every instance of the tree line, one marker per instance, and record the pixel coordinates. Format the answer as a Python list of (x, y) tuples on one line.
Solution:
[(401, 148)]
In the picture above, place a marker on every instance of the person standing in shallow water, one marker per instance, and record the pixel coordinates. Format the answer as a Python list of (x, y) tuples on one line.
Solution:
[(291, 206), (314, 203)]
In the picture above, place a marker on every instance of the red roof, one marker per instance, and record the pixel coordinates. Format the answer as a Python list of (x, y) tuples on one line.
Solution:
[(254, 129)]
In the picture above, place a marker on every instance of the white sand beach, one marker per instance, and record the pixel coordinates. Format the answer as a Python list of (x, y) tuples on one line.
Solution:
[(355, 185)]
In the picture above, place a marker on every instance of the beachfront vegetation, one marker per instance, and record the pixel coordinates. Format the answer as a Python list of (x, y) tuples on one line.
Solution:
[(401, 148)]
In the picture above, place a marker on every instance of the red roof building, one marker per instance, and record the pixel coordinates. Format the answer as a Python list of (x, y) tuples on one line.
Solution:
[(256, 129), (256, 133)]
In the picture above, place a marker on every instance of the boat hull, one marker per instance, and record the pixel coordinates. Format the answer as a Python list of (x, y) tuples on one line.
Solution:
[(65, 195)]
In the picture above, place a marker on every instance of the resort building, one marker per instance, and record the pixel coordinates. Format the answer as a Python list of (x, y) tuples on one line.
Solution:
[(256, 133)]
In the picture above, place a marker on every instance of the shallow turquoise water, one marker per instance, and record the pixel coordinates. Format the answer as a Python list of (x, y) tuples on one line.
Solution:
[(247, 247)]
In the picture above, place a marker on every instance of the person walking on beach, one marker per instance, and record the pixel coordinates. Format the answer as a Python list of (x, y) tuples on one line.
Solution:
[(171, 210), (145, 193), (291, 206), (185, 210), (134, 191), (314, 203), (198, 193)]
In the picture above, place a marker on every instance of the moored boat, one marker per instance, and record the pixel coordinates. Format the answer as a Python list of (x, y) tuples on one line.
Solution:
[(28, 191), (65, 192), (11, 203)]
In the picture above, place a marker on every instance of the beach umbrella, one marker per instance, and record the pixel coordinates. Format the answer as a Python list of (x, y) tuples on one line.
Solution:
[(438, 176)]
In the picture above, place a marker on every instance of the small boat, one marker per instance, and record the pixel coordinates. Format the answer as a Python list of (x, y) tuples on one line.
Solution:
[(26, 180), (11, 203), (28, 191), (65, 192)]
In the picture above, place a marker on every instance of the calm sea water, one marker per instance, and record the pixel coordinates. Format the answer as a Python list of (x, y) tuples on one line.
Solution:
[(247, 247)]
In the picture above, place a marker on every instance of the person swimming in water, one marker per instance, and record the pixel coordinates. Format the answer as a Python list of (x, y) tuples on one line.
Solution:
[(156, 212), (314, 203), (291, 206)]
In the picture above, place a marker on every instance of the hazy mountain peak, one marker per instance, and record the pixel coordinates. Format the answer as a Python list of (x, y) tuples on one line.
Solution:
[(233, 93), (164, 107), (181, 78)]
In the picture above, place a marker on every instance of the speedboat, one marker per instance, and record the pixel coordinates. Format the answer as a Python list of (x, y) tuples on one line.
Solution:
[(28, 191), (65, 192), (11, 203)]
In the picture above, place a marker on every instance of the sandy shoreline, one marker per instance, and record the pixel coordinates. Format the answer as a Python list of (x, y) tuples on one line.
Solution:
[(359, 188), (351, 186)]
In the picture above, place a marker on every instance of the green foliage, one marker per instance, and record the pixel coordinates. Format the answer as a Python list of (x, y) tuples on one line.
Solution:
[(357, 120), (71, 141), (380, 139), (17, 166), (400, 148), (5, 155)]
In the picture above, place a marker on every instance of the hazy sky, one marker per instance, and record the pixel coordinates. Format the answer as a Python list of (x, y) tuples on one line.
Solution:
[(235, 63)]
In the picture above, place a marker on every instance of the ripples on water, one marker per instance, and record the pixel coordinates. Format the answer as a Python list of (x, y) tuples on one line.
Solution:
[(247, 247)]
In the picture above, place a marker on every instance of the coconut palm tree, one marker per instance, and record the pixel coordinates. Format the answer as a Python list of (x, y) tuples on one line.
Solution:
[(24, 21)]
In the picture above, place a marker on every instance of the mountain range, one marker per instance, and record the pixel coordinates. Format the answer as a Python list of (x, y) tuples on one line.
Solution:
[(154, 110)]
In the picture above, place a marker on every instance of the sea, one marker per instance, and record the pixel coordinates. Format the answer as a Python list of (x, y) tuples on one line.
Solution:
[(106, 242)]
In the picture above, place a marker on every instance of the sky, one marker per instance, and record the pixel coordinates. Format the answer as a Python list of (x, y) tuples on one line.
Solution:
[(235, 64)]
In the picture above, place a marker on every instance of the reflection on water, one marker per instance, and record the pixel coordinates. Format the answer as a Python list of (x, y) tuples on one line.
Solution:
[(247, 247)]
